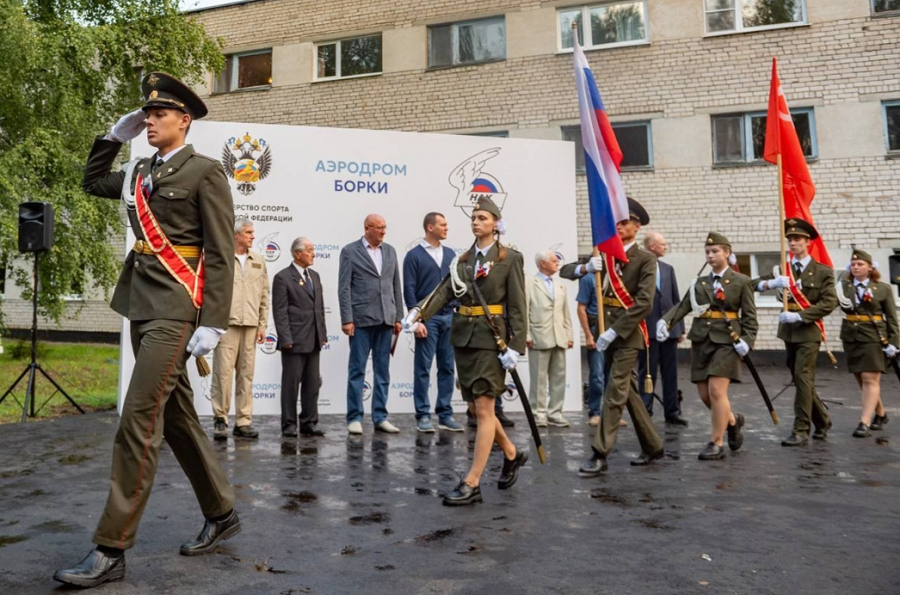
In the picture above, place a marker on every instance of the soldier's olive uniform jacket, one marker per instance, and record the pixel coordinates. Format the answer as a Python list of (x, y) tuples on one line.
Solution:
[(504, 285), (738, 297), (639, 278), (882, 304), (817, 284), (192, 202)]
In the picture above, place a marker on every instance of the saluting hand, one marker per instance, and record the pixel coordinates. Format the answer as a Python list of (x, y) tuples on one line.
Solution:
[(129, 126)]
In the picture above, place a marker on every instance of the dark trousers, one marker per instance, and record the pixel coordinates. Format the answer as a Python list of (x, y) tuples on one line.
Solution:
[(159, 404), (663, 356), (808, 407), (377, 341), (300, 373), (437, 343)]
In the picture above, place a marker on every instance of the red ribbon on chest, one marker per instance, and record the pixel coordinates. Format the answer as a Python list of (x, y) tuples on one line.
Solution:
[(622, 294)]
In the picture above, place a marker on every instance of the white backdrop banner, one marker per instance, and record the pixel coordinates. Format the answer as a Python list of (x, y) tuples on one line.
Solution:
[(320, 183)]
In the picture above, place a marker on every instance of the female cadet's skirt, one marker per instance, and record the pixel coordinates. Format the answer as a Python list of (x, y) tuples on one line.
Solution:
[(714, 359), (480, 373), (864, 357)]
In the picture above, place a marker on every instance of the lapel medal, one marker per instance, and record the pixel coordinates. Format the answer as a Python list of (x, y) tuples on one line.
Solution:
[(484, 269)]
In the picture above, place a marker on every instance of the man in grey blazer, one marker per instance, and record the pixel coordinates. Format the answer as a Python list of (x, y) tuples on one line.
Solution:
[(371, 301), (298, 309), (663, 354)]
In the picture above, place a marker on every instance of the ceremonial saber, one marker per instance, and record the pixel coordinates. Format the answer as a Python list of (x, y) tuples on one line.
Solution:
[(520, 388), (750, 366)]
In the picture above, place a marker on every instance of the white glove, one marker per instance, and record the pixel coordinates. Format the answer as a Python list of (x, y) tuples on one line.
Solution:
[(890, 350), (509, 359), (129, 126), (789, 318), (594, 265), (742, 348), (779, 283), (662, 331), (411, 322), (204, 340), (604, 340)]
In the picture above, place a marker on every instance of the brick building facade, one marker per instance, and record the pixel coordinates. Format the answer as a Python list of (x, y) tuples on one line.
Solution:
[(684, 77)]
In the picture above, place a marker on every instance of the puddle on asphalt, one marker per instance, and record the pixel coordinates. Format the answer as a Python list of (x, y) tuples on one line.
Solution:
[(57, 527), (297, 501), (369, 519), (73, 459), (11, 539), (436, 535), (607, 497)]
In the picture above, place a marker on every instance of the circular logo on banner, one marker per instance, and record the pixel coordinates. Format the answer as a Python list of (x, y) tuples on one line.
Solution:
[(472, 182), (269, 247), (511, 393), (270, 343), (366, 390)]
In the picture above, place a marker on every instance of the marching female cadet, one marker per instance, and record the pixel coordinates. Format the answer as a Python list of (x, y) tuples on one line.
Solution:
[(721, 335), (870, 335), (499, 274)]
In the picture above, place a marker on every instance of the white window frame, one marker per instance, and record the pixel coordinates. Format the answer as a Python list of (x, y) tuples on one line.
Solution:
[(887, 139), (454, 41), (588, 33), (337, 58), (235, 71), (764, 301), (625, 168), (739, 20), (883, 13), (747, 137)]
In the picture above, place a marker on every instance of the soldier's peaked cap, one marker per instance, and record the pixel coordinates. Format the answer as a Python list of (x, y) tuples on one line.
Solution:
[(799, 227), (638, 213), (166, 91)]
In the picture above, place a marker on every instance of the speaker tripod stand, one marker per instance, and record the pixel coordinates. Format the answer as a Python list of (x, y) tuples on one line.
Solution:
[(34, 367)]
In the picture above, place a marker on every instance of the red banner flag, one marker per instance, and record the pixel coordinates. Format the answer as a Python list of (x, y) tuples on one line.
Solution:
[(781, 139)]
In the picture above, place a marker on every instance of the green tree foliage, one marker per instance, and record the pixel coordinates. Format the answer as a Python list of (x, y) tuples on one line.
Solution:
[(70, 68)]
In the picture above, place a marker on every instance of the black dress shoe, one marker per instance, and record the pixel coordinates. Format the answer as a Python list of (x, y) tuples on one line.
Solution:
[(462, 495), (510, 472), (676, 420), (95, 569), (862, 431), (645, 459), (821, 433), (505, 421), (594, 467), (220, 429), (213, 533), (471, 420), (712, 452), (245, 432), (735, 432), (878, 422), (797, 440), (311, 432), (289, 433)]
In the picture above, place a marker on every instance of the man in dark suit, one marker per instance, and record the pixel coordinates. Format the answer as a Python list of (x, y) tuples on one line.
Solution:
[(299, 313), (371, 303), (663, 354)]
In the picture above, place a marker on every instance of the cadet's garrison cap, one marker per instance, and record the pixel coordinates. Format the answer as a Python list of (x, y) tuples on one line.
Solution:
[(799, 227), (486, 204), (861, 255), (164, 90), (716, 239), (637, 213)]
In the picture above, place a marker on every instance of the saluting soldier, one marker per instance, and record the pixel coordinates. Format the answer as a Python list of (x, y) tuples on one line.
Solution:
[(180, 208), (498, 272), (625, 310), (812, 299), (870, 335), (723, 304)]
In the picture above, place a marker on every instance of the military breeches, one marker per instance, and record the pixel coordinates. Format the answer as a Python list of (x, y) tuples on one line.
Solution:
[(808, 407)]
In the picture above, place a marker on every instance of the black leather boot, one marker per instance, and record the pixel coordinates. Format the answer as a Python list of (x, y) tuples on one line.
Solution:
[(712, 452), (97, 568), (462, 495), (735, 432), (213, 533), (594, 467), (505, 421), (510, 472), (795, 440), (646, 459)]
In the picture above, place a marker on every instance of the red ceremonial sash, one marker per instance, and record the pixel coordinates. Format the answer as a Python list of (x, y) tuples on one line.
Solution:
[(174, 262), (618, 287), (801, 299)]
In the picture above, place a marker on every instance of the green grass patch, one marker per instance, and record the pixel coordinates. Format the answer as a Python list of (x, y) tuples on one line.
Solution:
[(88, 372)]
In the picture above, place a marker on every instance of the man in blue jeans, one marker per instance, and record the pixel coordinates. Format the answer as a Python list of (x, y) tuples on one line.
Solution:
[(371, 305), (423, 269), (587, 316)]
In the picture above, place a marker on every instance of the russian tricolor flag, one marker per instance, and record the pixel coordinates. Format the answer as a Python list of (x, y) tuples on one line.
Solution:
[(602, 157)]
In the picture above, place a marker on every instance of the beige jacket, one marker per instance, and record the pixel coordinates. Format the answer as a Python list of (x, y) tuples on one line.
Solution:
[(549, 321), (250, 301)]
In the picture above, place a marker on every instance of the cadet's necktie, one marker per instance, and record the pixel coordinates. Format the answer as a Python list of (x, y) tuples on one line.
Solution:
[(156, 165), (860, 291), (309, 284), (798, 270)]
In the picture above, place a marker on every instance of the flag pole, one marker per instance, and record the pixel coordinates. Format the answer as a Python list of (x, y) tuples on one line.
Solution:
[(784, 265), (601, 319)]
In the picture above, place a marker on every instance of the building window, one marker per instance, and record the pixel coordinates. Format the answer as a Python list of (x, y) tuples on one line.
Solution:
[(732, 16), (892, 126), (885, 6), (346, 58), (471, 42), (741, 138), (757, 265), (245, 71), (613, 24), (493, 134), (635, 140)]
